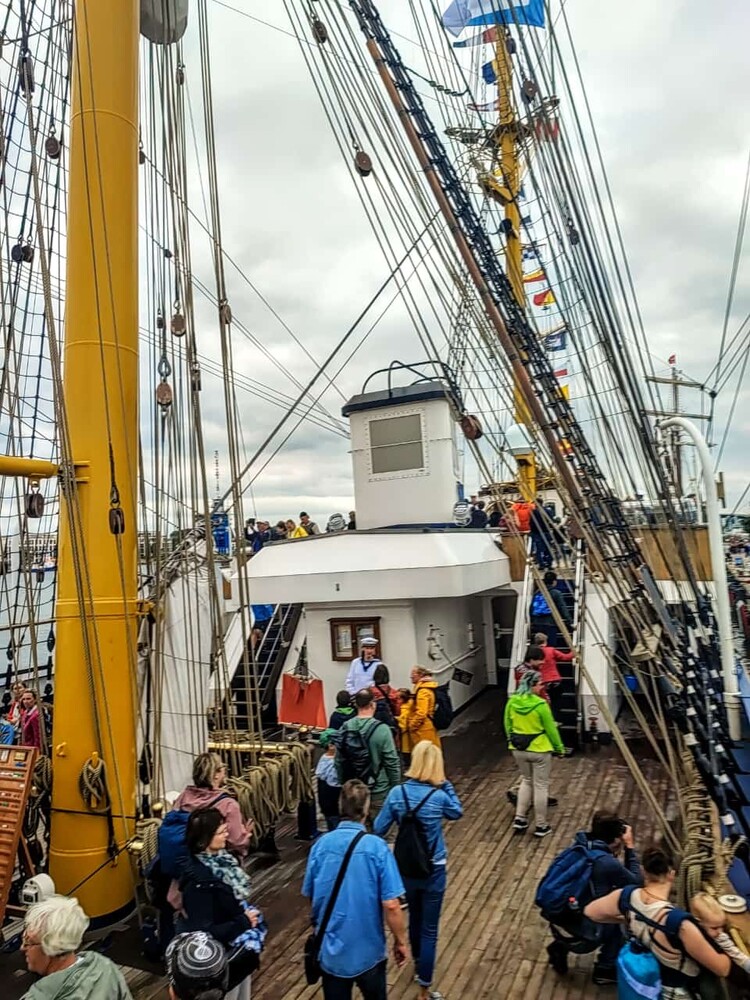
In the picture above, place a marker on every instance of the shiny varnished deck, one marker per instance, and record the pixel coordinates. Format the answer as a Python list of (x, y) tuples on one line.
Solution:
[(492, 942)]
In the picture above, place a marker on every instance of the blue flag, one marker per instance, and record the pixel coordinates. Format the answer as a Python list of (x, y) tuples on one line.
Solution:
[(467, 13), (556, 341), (489, 72)]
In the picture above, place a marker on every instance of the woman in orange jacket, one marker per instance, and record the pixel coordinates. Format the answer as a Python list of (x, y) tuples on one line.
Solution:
[(415, 719)]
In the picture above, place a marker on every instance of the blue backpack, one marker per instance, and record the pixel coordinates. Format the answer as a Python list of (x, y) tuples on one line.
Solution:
[(638, 970), (565, 889), (539, 605), (173, 853)]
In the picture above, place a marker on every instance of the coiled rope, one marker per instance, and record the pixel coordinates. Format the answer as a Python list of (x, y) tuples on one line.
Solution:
[(275, 785), (92, 784)]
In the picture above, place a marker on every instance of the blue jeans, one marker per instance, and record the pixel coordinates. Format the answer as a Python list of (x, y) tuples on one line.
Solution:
[(425, 899)]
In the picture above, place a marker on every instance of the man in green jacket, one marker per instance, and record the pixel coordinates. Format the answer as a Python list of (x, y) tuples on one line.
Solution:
[(366, 751), (532, 737), (53, 931)]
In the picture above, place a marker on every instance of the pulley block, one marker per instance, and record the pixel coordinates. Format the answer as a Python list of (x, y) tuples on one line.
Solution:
[(26, 74), (117, 520), (159, 320), (362, 163), (529, 90), (22, 253), (180, 74), (34, 504), (53, 146), (164, 395), (141, 155), (319, 30), (178, 325), (195, 376), (225, 312), (471, 427)]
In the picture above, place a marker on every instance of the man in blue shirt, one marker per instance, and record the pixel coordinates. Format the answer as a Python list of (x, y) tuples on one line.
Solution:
[(354, 947)]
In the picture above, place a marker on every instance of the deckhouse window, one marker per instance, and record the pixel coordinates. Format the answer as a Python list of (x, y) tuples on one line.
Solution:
[(347, 635), (396, 444)]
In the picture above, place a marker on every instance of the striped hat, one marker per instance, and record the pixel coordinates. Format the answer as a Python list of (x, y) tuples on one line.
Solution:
[(196, 961)]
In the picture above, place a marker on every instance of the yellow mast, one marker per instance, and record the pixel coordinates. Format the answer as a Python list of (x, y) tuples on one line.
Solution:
[(511, 171), (95, 660)]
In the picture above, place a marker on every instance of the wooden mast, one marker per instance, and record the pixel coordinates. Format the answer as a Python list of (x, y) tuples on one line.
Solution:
[(94, 719), (507, 139)]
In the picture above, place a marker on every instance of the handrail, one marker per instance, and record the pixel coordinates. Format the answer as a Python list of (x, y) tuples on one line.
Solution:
[(521, 637), (288, 623), (579, 622)]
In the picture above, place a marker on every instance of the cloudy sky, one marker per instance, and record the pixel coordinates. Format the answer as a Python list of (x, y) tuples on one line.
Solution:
[(667, 83)]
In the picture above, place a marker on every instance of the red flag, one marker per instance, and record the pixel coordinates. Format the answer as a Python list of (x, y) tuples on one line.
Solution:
[(561, 373), (672, 359), (545, 298)]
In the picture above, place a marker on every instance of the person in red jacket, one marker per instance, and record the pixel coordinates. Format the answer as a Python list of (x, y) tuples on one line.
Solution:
[(31, 722), (550, 674), (533, 660)]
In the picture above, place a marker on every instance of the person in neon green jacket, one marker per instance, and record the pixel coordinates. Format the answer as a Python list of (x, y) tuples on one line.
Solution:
[(532, 737)]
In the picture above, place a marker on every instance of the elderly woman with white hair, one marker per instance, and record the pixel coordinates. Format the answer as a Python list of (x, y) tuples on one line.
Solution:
[(53, 931)]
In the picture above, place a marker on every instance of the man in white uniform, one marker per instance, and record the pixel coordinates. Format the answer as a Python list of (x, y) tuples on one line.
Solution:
[(363, 667)]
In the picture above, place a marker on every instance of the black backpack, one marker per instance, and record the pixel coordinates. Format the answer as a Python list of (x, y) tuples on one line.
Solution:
[(353, 747), (411, 850), (442, 715)]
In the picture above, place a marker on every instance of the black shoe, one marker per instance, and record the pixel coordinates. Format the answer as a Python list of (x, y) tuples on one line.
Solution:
[(543, 831), (604, 975), (558, 957), (551, 801)]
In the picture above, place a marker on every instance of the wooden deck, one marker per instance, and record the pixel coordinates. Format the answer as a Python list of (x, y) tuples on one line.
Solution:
[(492, 942)]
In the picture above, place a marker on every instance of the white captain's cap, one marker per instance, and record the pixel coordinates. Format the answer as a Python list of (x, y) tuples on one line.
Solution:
[(369, 641)]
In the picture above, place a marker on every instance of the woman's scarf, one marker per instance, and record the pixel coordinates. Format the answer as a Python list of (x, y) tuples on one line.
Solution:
[(225, 866)]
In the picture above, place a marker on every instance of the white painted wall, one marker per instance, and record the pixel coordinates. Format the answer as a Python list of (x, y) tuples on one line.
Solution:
[(426, 495), (448, 621), (404, 631), (397, 634), (598, 635)]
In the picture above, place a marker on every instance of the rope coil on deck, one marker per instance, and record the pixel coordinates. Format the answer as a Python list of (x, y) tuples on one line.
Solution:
[(275, 785)]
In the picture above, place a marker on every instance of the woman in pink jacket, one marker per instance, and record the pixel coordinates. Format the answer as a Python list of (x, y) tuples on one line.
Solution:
[(209, 776)]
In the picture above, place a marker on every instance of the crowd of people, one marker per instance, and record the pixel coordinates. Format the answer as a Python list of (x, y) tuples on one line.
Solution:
[(259, 532), (25, 719), (550, 539), (381, 767)]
